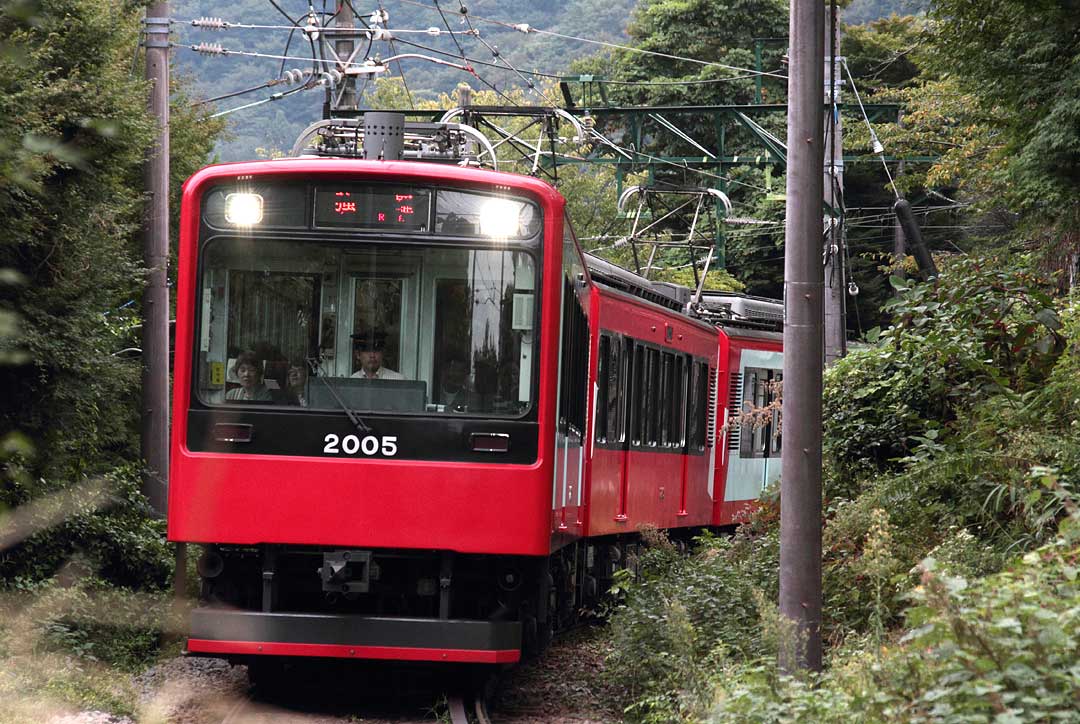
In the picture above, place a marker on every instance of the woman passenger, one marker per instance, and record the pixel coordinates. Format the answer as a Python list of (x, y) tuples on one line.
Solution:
[(248, 370)]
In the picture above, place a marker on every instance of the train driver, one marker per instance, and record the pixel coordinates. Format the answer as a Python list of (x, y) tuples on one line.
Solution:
[(368, 349)]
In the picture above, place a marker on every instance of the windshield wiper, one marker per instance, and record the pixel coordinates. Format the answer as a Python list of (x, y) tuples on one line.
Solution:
[(359, 424)]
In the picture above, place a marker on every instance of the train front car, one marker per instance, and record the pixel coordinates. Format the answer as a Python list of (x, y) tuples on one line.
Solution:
[(362, 408)]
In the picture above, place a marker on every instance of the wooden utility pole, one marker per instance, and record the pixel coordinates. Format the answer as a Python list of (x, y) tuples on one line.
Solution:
[(800, 481), (155, 235), (835, 278)]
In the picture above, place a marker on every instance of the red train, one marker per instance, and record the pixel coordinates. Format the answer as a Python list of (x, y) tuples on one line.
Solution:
[(413, 421)]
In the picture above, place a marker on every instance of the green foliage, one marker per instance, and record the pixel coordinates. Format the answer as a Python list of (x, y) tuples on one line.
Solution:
[(73, 642), (682, 612), (104, 521), (722, 31), (982, 329), (95, 622), (887, 53), (1001, 649), (1022, 59), (74, 131)]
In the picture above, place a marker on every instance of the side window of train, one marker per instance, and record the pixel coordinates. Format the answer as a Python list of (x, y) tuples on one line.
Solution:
[(760, 436), (667, 384), (573, 394), (678, 404), (575, 356), (637, 396), (603, 370), (652, 397), (699, 407), (616, 397), (611, 392)]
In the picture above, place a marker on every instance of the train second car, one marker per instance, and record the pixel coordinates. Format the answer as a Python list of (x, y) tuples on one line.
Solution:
[(413, 421)]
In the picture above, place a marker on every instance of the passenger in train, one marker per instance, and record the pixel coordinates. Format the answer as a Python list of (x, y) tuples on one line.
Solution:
[(455, 388), (248, 369), (296, 379), (368, 347)]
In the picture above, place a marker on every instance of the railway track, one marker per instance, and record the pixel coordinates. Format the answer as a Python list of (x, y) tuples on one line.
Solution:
[(469, 710), (462, 702)]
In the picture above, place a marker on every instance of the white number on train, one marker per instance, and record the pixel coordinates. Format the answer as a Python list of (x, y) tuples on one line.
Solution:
[(351, 444)]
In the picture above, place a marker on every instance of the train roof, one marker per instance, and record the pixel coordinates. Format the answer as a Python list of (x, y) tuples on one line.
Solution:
[(429, 172), (730, 310)]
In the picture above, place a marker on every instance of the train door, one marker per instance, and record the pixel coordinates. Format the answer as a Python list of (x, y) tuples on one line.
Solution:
[(647, 479), (608, 478), (754, 438), (573, 380)]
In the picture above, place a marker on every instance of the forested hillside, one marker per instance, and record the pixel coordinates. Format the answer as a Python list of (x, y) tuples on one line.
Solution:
[(952, 432)]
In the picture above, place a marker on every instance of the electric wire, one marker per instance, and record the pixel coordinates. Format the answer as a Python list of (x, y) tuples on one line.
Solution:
[(525, 28), (401, 73), (275, 97), (225, 96), (474, 61), (877, 145), (497, 56), (461, 50), (213, 49)]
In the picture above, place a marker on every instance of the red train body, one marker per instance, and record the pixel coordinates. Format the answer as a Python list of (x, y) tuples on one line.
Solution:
[(546, 406)]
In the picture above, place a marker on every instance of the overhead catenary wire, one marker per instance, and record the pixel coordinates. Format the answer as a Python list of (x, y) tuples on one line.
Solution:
[(386, 21), (275, 97), (225, 96), (498, 56), (461, 50), (526, 29), (368, 66)]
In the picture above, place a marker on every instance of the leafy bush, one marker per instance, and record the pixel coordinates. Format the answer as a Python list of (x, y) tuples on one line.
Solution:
[(105, 521), (983, 328), (1002, 649), (683, 612)]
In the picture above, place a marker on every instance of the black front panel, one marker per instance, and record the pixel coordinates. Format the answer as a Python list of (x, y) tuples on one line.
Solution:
[(298, 628), (332, 435)]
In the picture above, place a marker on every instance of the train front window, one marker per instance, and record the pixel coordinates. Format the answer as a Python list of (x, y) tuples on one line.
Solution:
[(437, 330)]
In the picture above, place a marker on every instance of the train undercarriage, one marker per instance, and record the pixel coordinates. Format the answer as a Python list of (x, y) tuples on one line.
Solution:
[(261, 605)]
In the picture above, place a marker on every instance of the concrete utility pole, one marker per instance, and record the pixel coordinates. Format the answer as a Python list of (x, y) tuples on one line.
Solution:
[(155, 235), (345, 45), (800, 481), (835, 281)]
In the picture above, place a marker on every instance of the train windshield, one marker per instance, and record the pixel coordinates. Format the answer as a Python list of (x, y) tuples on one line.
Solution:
[(438, 330)]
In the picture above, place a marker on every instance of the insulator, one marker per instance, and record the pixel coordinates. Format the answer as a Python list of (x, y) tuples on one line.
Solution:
[(293, 76), (331, 78), (853, 289), (209, 49), (381, 34), (210, 23), (523, 28), (434, 31), (588, 122), (464, 10)]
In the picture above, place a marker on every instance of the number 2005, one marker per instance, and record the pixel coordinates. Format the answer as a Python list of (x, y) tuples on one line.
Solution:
[(351, 444)]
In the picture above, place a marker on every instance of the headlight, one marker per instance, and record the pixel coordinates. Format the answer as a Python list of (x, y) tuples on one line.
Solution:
[(500, 218), (243, 209)]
